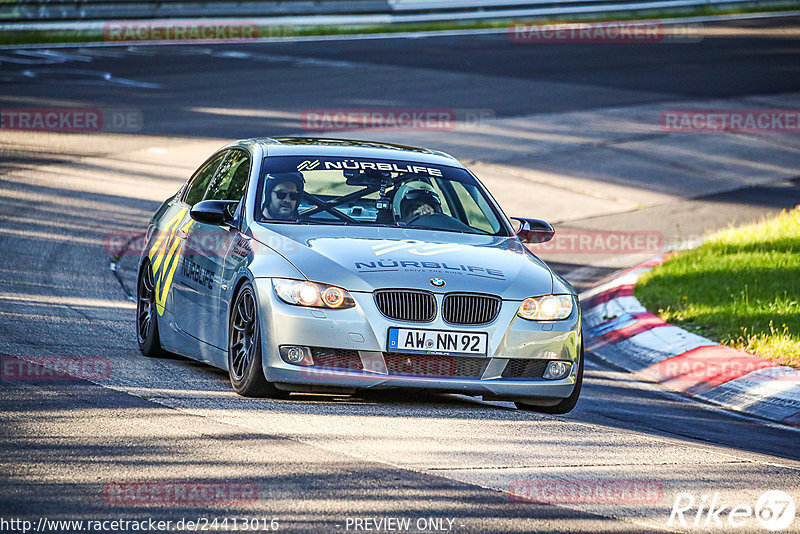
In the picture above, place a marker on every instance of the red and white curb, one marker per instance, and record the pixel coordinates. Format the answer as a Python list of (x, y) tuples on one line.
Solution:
[(620, 330)]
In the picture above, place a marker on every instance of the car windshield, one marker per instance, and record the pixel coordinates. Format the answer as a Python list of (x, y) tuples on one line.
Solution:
[(369, 192)]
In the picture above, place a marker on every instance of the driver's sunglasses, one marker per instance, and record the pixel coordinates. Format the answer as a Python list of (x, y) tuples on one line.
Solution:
[(282, 195)]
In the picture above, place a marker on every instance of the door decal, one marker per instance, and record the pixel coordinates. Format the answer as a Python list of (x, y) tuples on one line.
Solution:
[(165, 254)]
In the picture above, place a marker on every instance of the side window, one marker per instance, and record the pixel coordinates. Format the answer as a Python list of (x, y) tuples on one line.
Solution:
[(477, 209), (230, 180), (197, 187), (445, 205)]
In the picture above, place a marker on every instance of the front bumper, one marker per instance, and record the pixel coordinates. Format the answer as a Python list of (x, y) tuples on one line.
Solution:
[(363, 331)]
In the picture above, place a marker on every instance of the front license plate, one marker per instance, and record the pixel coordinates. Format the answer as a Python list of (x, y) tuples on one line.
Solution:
[(437, 341)]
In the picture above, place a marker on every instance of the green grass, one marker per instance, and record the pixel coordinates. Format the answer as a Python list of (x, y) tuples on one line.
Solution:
[(23, 37), (740, 288)]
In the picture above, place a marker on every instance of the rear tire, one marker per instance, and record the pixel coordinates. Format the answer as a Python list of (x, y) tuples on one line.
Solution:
[(564, 406), (244, 348), (147, 315)]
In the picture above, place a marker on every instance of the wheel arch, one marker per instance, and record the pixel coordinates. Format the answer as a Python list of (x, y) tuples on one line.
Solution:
[(243, 277), (143, 262), (264, 324)]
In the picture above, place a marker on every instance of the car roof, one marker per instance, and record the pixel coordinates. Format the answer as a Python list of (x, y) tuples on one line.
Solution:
[(351, 148)]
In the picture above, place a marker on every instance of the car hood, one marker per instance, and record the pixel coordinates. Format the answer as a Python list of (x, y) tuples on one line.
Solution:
[(369, 258)]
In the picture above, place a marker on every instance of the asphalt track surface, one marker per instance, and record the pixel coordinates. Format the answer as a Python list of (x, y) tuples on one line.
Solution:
[(319, 462)]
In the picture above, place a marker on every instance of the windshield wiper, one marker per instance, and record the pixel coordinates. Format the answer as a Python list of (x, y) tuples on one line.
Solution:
[(336, 222), (437, 228), (279, 221), (305, 221)]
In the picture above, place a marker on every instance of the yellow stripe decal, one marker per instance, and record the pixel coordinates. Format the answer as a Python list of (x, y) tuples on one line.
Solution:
[(163, 240), (165, 255)]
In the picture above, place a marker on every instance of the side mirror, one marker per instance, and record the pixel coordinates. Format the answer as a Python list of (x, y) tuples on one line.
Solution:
[(214, 211), (534, 230)]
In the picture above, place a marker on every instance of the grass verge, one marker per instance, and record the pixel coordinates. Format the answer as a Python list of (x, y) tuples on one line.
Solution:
[(56, 36), (740, 288)]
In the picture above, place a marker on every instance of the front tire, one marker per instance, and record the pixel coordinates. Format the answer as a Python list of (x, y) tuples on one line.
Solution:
[(564, 406), (146, 315), (244, 348)]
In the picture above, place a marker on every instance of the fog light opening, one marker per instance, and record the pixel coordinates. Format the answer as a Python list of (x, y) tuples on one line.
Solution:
[(557, 370), (297, 355)]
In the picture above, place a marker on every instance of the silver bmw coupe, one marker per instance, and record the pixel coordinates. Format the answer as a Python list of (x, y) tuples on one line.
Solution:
[(327, 265)]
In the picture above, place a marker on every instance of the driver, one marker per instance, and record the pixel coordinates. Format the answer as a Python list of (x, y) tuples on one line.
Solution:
[(282, 193), (419, 203), (417, 200)]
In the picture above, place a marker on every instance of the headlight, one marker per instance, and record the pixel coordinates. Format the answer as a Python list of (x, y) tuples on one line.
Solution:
[(304, 293), (546, 308)]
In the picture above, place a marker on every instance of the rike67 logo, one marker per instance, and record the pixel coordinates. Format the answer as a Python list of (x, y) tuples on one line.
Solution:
[(774, 510)]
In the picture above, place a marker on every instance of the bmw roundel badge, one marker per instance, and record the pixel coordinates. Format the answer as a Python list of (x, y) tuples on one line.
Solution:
[(437, 282)]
